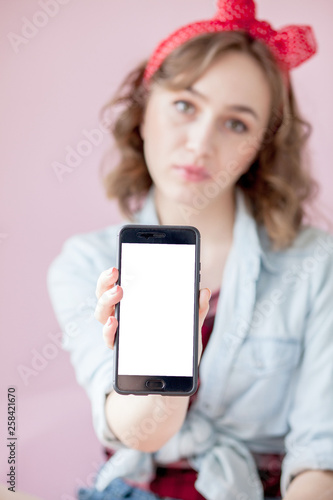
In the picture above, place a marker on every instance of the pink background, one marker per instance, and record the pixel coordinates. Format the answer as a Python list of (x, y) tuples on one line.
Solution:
[(51, 90)]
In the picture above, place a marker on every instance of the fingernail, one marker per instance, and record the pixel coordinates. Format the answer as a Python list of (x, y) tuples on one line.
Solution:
[(113, 290), (210, 294), (109, 321), (109, 271)]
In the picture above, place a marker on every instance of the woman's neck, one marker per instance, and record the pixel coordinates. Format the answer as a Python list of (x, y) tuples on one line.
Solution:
[(215, 221)]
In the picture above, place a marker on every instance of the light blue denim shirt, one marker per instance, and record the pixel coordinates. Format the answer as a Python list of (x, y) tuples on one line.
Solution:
[(266, 376)]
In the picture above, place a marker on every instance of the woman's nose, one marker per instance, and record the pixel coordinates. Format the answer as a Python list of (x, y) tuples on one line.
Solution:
[(200, 138)]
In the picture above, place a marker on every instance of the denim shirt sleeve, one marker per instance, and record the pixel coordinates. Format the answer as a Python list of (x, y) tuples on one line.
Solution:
[(309, 443), (72, 279)]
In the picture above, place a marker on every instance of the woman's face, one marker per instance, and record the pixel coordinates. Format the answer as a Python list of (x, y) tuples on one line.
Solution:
[(200, 140)]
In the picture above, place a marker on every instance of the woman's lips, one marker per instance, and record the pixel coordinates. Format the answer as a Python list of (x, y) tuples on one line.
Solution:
[(192, 173)]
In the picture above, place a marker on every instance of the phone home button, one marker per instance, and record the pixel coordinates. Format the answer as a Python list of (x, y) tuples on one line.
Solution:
[(155, 384)]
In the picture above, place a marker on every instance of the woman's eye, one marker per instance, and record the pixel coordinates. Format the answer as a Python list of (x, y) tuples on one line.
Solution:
[(184, 107), (236, 126)]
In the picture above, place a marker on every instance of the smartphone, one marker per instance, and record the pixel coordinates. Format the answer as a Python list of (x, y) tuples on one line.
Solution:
[(156, 346)]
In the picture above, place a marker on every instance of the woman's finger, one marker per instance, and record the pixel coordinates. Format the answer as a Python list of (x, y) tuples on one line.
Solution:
[(106, 280), (109, 331), (106, 303), (204, 298)]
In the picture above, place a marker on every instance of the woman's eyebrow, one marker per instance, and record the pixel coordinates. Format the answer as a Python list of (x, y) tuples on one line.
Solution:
[(197, 93), (240, 108)]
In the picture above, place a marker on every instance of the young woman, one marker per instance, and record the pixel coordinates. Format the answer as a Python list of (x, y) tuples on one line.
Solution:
[(210, 135)]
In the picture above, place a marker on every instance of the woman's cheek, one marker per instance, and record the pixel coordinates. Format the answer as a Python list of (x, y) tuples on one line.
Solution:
[(247, 150), (238, 159), (249, 146)]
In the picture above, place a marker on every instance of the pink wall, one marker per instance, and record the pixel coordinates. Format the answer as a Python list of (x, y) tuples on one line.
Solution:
[(52, 87)]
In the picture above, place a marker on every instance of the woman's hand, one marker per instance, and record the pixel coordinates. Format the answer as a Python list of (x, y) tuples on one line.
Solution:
[(109, 294), (127, 414)]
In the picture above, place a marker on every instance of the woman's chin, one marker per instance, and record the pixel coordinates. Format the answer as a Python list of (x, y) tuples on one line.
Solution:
[(188, 193)]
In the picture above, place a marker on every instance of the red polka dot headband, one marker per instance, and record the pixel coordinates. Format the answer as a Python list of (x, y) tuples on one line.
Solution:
[(291, 46)]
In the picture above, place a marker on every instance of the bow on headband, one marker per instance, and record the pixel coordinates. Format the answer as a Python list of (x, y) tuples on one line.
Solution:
[(291, 46)]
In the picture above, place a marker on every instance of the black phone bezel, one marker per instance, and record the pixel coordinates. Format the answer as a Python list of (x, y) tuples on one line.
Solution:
[(159, 384)]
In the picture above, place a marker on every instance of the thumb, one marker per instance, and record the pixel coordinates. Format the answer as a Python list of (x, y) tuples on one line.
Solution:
[(204, 298)]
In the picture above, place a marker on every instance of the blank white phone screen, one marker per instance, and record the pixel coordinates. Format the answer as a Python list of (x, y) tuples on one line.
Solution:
[(156, 319)]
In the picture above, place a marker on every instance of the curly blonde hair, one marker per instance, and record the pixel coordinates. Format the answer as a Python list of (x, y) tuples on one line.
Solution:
[(276, 186)]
